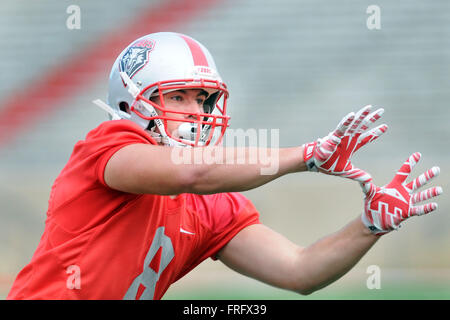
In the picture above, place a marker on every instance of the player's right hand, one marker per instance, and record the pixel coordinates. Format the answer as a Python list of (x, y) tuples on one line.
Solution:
[(332, 154), (386, 207)]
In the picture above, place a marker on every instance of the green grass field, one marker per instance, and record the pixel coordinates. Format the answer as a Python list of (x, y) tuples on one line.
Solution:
[(398, 292), (421, 291)]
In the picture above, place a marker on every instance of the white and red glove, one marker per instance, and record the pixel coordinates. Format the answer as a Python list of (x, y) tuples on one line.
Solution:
[(332, 154), (386, 207)]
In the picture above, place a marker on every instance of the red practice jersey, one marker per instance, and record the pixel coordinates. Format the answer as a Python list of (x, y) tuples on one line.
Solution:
[(100, 243)]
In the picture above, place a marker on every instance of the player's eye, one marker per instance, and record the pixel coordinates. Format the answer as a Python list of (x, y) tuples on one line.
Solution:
[(200, 101), (177, 98)]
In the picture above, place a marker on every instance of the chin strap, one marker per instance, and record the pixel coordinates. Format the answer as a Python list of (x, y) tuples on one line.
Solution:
[(170, 142), (158, 137), (112, 113), (115, 116)]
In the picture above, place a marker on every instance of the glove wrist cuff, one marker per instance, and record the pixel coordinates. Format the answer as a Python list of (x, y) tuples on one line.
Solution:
[(308, 156), (373, 229)]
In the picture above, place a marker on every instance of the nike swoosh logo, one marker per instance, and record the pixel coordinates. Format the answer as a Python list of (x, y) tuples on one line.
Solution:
[(184, 231)]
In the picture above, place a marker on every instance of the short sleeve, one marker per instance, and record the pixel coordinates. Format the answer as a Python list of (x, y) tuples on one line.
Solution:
[(110, 137), (223, 216), (247, 217), (82, 179)]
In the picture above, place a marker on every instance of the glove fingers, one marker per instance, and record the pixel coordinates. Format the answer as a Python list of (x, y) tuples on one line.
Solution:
[(371, 135), (424, 209), (328, 144), (424, 178), (358, 175), (359, 117), (407, 167), (343, 125), (371, 118), (426, 194)]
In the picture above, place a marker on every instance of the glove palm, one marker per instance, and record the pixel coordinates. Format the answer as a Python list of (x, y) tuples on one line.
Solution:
[(386, 207), (332, 154)]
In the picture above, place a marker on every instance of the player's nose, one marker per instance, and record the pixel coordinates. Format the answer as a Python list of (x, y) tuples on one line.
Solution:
[(193, 107)]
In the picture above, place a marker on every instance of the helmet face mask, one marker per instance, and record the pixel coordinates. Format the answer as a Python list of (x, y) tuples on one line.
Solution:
[(160, 63), (194, 129)]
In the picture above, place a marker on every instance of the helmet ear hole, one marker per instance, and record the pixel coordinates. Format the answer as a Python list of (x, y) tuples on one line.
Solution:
[(123, 106), (210, 103), (151, 124)]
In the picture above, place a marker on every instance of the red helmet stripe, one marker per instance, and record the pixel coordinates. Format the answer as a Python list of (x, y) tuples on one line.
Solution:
[(197, 52)]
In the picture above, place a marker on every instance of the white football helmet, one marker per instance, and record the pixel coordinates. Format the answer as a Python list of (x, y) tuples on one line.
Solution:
[(159, 63)]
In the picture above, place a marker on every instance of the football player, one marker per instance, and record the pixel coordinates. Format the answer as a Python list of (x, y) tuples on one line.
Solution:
[(125, 221)]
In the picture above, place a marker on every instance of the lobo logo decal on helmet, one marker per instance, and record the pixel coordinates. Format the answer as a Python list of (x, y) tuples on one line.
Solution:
[(136, 57)]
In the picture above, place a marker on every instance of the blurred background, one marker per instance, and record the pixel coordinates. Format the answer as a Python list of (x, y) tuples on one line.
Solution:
[(294, 65)]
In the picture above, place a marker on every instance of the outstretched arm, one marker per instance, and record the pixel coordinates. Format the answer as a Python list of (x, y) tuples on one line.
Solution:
[(141, 168), (263, 254)]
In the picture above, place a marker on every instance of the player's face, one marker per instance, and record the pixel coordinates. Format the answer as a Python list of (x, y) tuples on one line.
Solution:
[(186, 100)]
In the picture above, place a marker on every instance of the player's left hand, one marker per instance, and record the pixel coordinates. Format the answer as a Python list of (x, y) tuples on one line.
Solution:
[(332, 154), (386, 207)]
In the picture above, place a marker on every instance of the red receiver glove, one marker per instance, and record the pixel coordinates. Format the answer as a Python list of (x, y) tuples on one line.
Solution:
[(332, 154), (386, 207)]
